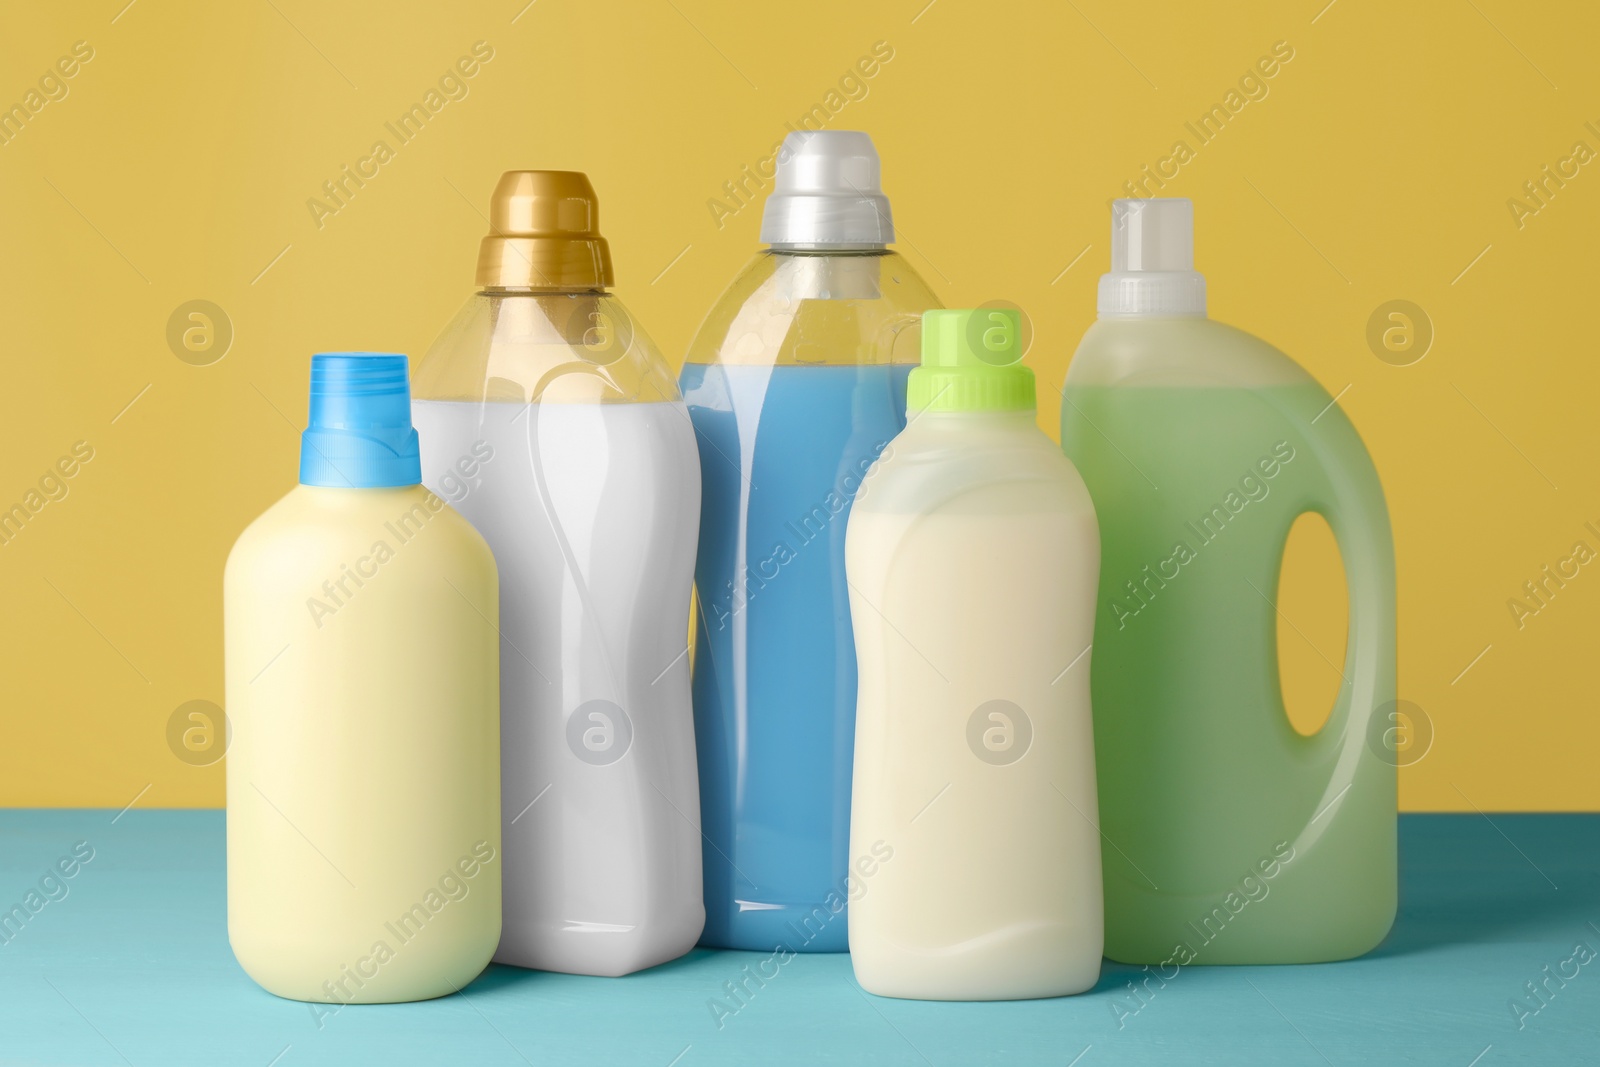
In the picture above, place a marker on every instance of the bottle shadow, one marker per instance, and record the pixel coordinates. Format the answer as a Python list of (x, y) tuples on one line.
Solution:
[(502, 976)]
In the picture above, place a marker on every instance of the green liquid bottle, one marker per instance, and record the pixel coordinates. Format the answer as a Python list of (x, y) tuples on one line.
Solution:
[(1227, 835)]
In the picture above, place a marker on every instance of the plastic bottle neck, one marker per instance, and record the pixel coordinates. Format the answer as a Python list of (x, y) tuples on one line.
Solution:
[(1012, 418), (827, 250), (538, 290)]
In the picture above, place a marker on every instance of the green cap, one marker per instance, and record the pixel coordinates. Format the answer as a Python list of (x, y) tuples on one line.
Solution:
[(970, 362)]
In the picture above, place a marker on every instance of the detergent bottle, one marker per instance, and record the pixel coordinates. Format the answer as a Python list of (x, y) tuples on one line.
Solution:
[(796, 382), (552, 422), (362, 675), (1229, 837), (972, 556)]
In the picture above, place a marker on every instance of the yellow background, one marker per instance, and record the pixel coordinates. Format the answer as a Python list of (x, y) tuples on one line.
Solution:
[(1378, 167)]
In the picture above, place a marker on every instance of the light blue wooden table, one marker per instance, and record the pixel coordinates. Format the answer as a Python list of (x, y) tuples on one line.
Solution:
[(129, 964)]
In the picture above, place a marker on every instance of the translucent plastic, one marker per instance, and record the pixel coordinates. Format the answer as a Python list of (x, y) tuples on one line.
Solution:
[(1152, 235), (544, 347), (552, 422), (975, 866), (1152, 261), (1230, 837), (795, 382)]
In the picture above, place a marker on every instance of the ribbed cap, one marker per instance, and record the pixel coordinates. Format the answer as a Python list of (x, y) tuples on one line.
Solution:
[(359, 435), (1152, 261), (826, 193), (970, 362), (544, 233)]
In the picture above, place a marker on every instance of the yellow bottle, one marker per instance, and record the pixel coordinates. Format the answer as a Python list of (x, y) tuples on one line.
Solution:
[(362, 653)]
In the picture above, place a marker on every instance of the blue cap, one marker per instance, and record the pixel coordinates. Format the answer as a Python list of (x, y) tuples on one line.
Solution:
[(359, 435)]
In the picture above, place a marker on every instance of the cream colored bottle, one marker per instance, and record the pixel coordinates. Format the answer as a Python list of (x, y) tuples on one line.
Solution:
[(363, 700), (973, 556)]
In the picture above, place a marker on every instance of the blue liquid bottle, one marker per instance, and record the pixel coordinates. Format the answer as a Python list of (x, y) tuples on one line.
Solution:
[(795, 382)]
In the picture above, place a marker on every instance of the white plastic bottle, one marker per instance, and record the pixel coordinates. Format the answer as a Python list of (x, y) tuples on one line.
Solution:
[(551, 421), (973, 556), (362, 692)]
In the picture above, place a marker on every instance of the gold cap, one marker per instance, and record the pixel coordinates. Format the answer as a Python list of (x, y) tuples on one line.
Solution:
[(544, 233)]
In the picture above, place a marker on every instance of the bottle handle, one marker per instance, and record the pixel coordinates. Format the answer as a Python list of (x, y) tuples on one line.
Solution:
[(1352, 503)]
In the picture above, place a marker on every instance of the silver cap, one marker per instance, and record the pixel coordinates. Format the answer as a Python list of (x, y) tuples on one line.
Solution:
[(826, 193)]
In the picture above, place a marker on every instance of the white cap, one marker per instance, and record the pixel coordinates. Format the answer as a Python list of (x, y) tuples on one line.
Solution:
[(826, 193), (1152, 261)]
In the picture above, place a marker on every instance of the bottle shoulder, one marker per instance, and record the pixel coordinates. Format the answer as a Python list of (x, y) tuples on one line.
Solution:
[(1184, 351), (311, 525), (973, 464), (812, 308), (547, 347)]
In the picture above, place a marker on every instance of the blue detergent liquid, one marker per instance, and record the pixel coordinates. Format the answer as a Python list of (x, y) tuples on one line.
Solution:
[(782, 453)]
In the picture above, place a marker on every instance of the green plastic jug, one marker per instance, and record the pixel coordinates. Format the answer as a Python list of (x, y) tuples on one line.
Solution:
[(1227, 835)]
